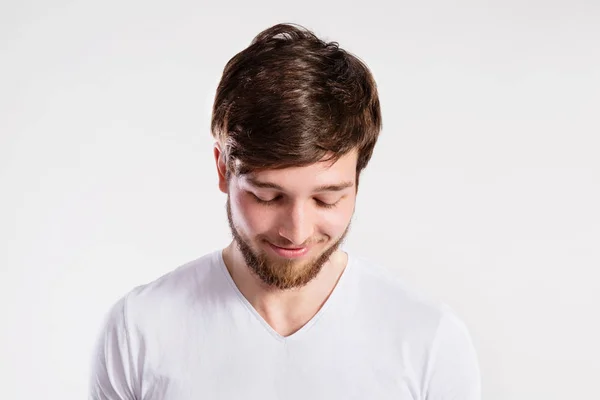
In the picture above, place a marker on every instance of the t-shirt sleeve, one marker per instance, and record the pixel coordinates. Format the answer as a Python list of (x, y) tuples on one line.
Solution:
[(453, 369), (112, 369)]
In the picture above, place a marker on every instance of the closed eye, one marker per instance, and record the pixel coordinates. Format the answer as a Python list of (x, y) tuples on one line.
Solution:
[(265, 202), (276, 199), (326, 205)]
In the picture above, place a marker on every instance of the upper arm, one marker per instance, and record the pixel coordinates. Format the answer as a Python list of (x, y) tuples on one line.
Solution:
[(112, 366), (453, 369)]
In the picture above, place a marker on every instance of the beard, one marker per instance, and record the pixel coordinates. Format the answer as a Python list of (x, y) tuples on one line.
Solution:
[(282, 273)]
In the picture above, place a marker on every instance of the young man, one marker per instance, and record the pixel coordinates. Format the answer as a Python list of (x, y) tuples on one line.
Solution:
[(282, 312)]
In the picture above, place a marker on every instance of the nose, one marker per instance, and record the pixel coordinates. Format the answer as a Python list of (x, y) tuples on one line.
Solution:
[(296, 225)]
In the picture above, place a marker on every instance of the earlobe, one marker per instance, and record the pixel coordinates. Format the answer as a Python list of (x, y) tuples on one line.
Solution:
[(221, 168)]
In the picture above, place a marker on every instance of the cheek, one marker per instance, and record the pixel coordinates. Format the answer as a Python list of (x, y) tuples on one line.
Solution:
[(337, 221), (251, 217), (332, 222)]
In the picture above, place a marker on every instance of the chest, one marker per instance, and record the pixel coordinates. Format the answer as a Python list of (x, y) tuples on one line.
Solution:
[(255, 368)]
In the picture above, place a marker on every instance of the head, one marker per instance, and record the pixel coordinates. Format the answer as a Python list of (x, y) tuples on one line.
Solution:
[(295, 120)]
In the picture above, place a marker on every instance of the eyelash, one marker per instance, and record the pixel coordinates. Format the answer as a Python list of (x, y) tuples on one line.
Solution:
[(272, 202)]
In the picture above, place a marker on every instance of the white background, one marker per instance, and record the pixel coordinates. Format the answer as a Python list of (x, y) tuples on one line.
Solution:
[(484, 190)]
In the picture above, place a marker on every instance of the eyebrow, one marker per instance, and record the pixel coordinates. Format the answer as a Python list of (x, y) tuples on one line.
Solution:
[(323, 188)]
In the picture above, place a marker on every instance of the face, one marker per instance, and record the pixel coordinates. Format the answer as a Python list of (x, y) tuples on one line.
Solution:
[(287, 223)]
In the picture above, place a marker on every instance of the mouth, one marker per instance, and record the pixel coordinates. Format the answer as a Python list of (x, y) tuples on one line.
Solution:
[(289, 252)]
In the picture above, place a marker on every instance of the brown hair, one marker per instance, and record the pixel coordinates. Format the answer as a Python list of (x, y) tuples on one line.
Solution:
[(291, 99)]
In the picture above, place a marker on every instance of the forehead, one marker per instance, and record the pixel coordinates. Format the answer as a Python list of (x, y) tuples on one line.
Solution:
[(310, 177)]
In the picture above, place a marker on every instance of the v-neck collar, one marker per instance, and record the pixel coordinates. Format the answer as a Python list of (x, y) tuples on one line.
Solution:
[(334, 294)]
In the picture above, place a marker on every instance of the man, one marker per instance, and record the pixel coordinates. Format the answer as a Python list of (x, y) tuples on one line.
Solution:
[(282, 312)]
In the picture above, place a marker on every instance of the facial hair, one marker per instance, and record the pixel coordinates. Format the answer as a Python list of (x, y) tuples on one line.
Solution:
[(282, 274)]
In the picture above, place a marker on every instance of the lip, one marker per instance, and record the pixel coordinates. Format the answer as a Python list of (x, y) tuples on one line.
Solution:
[(289, 253)]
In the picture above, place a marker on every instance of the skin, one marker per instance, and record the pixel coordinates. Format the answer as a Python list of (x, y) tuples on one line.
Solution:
[(288, 292)]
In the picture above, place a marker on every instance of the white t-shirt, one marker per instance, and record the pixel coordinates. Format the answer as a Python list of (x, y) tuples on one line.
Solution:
[(191, 334)]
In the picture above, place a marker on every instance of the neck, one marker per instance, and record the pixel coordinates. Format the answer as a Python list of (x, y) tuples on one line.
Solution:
[(286, 311)]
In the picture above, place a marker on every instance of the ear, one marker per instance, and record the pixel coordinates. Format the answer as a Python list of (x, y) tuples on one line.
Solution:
[(221, 168)]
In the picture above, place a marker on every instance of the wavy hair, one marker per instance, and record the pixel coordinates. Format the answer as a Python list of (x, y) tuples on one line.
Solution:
[(292, 99)]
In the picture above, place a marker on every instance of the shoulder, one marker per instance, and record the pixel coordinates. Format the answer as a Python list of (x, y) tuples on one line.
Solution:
[(392, 301), (172, 294), (146, 314), (179, 282), (381, 288), (440, 344)]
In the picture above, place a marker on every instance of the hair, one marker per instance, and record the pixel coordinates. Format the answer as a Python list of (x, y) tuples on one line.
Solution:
[(290, 99)]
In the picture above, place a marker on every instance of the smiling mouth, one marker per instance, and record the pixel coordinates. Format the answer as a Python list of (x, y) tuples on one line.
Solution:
[(290, 252)]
